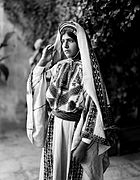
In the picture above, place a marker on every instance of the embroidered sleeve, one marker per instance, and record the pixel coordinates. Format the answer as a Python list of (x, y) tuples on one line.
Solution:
[(90, 119)]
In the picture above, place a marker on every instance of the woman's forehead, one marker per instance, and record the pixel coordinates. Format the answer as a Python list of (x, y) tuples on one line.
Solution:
[(66, 36)]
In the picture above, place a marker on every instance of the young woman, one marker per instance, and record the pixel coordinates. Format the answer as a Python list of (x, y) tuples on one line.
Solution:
[(67, 105)]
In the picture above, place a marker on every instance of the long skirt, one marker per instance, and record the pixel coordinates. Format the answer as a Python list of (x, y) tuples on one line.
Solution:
[(58, 162)]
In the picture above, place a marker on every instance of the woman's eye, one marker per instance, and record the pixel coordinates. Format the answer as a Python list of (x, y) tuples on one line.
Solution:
[(67, 41), (70, 40)]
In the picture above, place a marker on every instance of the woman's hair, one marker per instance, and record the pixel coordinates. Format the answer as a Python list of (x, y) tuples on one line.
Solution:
[(70, 33)]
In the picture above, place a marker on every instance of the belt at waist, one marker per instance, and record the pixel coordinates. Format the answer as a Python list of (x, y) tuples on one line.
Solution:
[(68, 116)]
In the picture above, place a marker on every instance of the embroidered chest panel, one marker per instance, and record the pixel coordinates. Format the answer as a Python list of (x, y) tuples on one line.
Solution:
[(66, 83)]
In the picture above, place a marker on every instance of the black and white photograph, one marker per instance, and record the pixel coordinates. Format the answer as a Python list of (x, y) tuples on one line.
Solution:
[(69, 90)]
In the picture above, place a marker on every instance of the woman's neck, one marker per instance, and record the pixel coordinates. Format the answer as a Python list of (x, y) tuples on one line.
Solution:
[(76, 57)]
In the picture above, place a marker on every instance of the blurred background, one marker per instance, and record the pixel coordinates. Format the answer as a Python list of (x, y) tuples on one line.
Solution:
[(112, 26)]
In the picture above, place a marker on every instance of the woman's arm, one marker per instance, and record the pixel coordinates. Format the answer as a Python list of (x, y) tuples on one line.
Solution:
[(47, 55), (37, 85), (87, 130)]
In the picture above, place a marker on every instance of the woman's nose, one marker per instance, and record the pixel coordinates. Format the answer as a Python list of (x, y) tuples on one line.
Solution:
[(66, 44)]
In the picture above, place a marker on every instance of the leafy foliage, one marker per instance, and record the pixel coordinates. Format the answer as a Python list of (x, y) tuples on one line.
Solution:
[(4, 71), (112, 26), (114, 30), (35, 18)]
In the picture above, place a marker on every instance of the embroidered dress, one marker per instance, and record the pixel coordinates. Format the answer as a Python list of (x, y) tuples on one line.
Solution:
[(67, 103), (65, 93)]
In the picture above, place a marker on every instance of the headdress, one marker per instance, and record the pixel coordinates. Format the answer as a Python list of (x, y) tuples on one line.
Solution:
[(69, 25)]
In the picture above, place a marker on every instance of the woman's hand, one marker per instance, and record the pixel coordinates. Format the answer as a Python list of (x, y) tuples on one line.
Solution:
[(46, 55), (80, 152)]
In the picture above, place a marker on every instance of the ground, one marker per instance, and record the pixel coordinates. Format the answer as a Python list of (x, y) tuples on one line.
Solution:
[(19, 159)]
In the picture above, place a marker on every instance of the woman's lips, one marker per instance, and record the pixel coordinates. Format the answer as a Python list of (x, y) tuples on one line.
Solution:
[(66, 51)]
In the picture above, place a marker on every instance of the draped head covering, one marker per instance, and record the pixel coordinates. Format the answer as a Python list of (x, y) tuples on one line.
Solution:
[(92, 80)]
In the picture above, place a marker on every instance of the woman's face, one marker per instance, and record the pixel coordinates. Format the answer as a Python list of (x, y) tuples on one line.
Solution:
[(69, 46)]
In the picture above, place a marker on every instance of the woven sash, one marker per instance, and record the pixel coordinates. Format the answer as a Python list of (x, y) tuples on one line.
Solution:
[(68, 116)]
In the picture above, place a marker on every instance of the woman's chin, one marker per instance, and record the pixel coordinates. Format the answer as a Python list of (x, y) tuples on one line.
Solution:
[(68, 56)]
